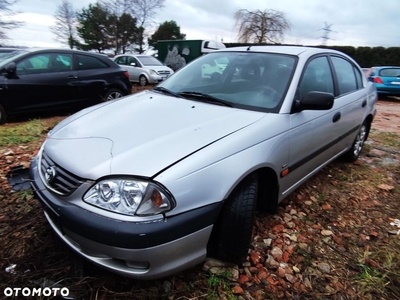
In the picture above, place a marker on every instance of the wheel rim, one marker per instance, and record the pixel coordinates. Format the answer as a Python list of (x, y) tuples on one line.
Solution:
[(142, 80), (359, 142), (114, 95)]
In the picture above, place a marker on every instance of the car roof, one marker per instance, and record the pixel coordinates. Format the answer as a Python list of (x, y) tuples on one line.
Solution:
[(291, 50)]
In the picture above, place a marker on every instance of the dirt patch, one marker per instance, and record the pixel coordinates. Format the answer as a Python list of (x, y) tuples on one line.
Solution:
[(388, 115)]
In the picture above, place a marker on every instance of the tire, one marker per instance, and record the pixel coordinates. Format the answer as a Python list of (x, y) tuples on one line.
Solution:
[(112, 94), (231, 236), (143, 80), (354, 152), (3, 115)]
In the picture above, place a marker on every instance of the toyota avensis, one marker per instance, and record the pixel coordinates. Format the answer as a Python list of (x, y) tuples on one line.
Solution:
[(153, 183)]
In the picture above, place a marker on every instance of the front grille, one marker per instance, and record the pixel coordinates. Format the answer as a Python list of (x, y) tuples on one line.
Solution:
[(164, 72), (56, 178)]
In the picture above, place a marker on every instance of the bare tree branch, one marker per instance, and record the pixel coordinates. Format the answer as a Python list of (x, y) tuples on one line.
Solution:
[(258, 26), (65, 27), (7, 23)]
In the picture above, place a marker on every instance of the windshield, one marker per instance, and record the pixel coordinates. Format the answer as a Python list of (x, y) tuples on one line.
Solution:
[(255, 81), (149, 61), (5, 58)]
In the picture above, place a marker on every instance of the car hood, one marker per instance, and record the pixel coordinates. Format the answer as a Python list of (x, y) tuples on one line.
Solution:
[(140, 135)]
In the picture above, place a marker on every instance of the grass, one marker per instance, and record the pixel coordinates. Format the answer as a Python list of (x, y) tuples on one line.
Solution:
[(389, 139), (382, 276), (26, 132)]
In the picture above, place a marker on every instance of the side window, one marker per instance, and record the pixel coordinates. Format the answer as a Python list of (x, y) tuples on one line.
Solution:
[(345, 75), (61, 63), (358, 78), (35, 64), (134, 60), (317, 77), (121, 60), (89, 62)]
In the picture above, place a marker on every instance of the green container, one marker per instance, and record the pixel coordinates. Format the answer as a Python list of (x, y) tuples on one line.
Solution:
[(177, 53)]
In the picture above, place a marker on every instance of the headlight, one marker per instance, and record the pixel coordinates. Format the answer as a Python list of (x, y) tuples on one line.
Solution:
[(152, 72), (129, 197)]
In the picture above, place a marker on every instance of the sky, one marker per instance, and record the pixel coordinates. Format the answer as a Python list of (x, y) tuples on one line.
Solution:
[(353, 22)]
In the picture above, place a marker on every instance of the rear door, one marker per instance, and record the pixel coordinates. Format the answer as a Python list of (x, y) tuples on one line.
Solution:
[(351, 100)]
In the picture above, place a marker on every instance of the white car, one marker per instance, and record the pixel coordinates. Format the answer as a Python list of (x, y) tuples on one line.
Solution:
[(143, 69), (150, 184)]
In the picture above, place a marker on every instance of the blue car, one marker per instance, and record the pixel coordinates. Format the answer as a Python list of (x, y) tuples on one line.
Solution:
[(386, 80)]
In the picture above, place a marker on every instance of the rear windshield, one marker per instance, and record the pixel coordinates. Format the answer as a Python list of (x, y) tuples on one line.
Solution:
[(392, 72)]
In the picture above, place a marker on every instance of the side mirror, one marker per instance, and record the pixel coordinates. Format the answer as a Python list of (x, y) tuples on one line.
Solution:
[(9, 69), (315, 101), (132, 64)]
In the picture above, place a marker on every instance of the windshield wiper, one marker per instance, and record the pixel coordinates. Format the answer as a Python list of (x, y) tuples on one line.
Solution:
[(167, 91), (207, 98)]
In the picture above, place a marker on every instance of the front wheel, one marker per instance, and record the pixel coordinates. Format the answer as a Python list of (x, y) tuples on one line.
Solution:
[(231, 236), (143, 80), (112, 94), (354, 152)]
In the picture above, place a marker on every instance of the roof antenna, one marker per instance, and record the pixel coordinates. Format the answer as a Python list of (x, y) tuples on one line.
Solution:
[(248, 49)]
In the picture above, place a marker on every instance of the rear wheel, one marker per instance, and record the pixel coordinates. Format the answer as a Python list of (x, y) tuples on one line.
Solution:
[(3, 116), (354, 152), (231, 235), (143, 80), (112, 94)]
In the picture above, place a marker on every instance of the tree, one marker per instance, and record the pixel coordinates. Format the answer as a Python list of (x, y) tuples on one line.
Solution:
[(6, 11), (145, 11), (168, 30), (64, 28), (258, 26), (93, 28), (123, 24)]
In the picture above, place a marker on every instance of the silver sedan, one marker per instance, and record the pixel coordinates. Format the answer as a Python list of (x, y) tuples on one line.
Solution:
[(176, 174)]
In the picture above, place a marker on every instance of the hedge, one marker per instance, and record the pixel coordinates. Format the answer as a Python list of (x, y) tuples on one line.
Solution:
[(365, 56)]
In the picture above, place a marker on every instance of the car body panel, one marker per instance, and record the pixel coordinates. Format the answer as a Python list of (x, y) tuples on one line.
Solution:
[(198, 137), (168, 140)]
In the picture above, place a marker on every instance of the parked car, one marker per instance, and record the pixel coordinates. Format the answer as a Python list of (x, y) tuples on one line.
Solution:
[(386, 80), (47, 79), (177, 172), (143, 69)]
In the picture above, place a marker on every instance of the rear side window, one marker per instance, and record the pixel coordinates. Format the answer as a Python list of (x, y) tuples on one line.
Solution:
[(89, 62), (345, 75), (393, 72)]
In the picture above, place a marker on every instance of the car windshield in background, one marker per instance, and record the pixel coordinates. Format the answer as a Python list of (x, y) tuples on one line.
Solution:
[(149, 61), (392, 72), (255, 81)]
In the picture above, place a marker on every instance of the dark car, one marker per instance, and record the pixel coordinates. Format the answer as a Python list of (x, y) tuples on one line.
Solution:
[(47, 79), (386, 80)]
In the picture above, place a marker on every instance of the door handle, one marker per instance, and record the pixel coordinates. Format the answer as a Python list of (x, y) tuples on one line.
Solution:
[(364, 103), (72, 77), (336, 117)]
